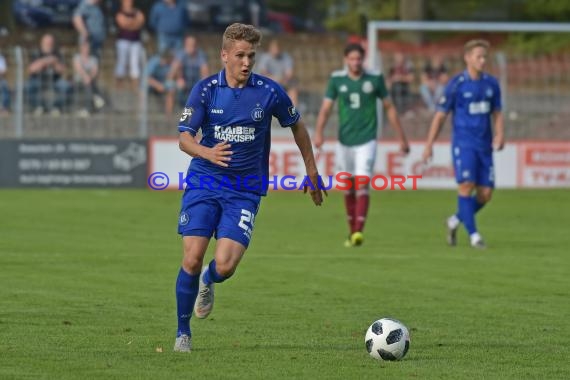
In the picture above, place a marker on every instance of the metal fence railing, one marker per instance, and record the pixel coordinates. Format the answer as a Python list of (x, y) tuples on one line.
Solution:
[(536, 95)]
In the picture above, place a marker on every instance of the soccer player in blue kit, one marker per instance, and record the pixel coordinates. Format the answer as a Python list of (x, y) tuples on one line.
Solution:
[(229, 170), (474, 98)]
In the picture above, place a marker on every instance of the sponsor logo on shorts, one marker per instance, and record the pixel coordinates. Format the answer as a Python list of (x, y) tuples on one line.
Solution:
[(184, 219)]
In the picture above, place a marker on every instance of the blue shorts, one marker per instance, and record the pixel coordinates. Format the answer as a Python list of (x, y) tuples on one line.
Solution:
[(472, 165), (222, 214)]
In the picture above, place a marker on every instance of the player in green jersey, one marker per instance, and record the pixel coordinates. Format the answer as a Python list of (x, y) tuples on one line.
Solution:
[(357, 92)]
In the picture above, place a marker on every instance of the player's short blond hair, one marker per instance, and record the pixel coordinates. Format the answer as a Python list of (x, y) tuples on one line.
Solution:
[(241, 32), (472, 44)]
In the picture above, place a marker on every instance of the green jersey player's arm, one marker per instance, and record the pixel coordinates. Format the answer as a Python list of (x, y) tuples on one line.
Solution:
[(392, 114), (325, 111), (394, 120), (322, 118)]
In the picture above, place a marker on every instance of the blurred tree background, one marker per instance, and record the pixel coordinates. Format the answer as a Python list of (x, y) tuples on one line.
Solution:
[(351, 16)]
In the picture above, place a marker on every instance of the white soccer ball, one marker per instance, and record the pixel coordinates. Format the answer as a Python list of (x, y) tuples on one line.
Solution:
[(387, 339)]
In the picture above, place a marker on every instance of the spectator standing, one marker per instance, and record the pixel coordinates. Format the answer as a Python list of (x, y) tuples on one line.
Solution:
[(130, 22), (169, 21), (89, 22)]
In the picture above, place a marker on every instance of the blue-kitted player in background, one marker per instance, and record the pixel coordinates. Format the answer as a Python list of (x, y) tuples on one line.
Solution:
[(229, 170), (474, 98)]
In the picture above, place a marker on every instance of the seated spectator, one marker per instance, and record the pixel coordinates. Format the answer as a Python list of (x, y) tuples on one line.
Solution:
[(89, 21), (169, 20), (189, 66), (278, 65), (130, 22), (47, 72), (4, 89), (401, 76), (86, 70), (159, 81), (434, 77)]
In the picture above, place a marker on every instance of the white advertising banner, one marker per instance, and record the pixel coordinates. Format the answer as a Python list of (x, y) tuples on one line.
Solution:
[(518, 165), (544, 164)]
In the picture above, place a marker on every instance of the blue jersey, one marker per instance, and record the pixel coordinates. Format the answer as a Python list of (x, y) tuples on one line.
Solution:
[(472, 103), (242, 117)]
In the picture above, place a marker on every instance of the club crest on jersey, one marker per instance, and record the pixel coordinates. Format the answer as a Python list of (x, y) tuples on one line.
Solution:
[(292, 111), (187, 114), (343, 88), (367, 87), (489, 93), (184, 219), (257, 114)]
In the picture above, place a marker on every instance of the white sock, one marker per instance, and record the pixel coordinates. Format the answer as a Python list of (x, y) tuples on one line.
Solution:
[(475, 238), (453, 222)]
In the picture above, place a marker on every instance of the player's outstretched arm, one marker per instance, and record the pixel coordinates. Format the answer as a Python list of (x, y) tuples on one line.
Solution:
[(394, 120), (434, 129), (322, 118), (499, 126), (303, 141), (219, 154)]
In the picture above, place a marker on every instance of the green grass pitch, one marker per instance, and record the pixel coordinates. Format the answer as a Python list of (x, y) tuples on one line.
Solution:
[(87, 289)]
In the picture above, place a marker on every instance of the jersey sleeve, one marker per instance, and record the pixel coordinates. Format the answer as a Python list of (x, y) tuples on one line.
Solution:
[(80, 10), (381, 90), (284, 110), (195, 110), (447, 100), (496, 104), (331, 92)]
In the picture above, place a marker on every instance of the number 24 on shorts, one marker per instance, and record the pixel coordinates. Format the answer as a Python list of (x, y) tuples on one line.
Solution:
[(247, 217)]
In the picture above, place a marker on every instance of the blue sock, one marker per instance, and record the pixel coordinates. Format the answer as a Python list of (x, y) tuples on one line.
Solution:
[(476, 207), (212, 275), (467, 213), (186, 292)]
